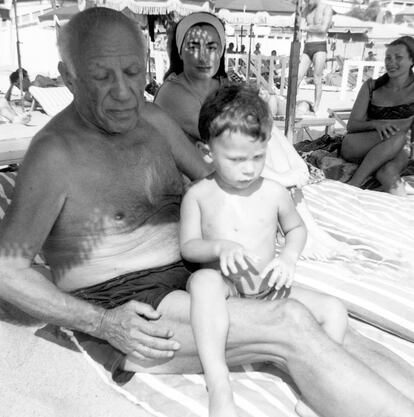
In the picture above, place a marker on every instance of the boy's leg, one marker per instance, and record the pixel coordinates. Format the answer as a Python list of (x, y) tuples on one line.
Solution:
[(210, 324), (329, 312)]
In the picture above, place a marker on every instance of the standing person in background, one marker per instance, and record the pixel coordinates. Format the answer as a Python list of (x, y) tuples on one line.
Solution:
[(318, 18), (257, 49)]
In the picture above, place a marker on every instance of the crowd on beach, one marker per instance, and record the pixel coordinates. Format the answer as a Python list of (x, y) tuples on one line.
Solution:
[(159, 222)]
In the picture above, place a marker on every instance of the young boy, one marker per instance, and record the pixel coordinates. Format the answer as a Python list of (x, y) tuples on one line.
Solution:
[(228, 225)]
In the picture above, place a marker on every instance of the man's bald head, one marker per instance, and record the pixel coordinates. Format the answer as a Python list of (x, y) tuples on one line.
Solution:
[(86, 27)]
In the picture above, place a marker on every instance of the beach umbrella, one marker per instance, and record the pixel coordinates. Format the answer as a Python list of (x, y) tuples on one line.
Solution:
[(158, 7), (269, 6), (60, 13)]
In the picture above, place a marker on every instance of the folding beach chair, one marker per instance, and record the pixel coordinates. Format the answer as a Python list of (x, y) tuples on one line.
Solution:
[(51, 99)]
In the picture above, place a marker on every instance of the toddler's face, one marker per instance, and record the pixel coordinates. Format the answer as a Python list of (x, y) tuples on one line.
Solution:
[(238, 159)]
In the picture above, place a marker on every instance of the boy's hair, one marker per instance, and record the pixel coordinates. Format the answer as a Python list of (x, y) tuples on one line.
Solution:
[(237, 108)]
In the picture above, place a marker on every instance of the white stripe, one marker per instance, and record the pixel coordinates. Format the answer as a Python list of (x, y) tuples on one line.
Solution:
[(374, 308), (173, 394), (270, 398)]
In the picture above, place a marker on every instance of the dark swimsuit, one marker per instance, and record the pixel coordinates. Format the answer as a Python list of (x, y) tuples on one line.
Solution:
[(374, 112), (311, 48)]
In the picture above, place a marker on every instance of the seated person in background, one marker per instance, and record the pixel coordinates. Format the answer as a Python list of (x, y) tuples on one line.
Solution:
[(10, 115), (236, 245), (40, 81), (381, 116)]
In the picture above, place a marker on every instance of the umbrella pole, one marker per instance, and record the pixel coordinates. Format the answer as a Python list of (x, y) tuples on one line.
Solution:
[(293, 75), (250, 54), (19, 59)]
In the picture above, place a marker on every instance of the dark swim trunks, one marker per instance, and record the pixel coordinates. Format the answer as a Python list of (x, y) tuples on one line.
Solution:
[(311, 48), (149, 286)]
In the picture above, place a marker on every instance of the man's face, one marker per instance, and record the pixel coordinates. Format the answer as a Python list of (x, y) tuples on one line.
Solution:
[(110, 80), (201, 52)]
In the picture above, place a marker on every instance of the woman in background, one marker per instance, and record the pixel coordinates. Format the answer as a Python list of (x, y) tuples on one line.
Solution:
[(380, 119)]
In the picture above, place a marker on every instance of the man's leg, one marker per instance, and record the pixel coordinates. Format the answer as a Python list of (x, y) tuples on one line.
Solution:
[(304, 65), (319, 59), (333, 382)]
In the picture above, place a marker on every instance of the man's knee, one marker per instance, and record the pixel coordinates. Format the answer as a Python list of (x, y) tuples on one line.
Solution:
[(291, 312)]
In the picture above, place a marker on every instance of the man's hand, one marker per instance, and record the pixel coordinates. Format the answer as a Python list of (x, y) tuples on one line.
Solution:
[(132, 328)]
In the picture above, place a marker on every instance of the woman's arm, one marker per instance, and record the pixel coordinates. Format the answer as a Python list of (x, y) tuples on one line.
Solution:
[(358, 121)]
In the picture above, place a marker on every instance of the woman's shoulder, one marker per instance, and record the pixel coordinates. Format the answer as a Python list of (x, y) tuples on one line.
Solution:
[(172, 88)]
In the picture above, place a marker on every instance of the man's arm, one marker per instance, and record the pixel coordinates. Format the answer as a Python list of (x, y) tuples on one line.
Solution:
[(38, 199)]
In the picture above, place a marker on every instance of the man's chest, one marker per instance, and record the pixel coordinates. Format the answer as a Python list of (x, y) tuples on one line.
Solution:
[(125, 186)]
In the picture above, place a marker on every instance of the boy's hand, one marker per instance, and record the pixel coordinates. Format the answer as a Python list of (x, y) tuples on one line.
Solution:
[(283, 273), (230, 254)]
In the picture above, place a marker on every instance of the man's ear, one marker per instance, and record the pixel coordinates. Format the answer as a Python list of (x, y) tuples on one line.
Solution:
[(67, 76), (205, 151)]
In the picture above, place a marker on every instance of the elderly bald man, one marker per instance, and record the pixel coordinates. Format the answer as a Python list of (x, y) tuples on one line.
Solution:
[(99, 192)]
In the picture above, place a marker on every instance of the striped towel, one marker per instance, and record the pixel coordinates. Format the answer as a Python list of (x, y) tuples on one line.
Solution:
[(260, 390)]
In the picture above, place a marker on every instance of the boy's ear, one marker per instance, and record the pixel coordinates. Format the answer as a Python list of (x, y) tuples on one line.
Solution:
[(204, 149)]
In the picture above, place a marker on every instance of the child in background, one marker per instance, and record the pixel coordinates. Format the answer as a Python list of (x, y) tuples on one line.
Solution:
[(228, 225)]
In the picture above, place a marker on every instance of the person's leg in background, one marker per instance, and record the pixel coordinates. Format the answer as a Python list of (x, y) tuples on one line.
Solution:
[(319, 60)]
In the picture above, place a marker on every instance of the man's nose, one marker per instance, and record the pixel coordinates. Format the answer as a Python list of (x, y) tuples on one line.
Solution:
[(120, 89)]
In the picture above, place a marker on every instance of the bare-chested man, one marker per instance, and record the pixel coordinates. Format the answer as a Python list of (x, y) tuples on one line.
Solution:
[(318, 18), (99, 191)]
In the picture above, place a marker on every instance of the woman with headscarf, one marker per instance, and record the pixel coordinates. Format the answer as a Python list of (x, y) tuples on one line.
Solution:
[(382, 114)]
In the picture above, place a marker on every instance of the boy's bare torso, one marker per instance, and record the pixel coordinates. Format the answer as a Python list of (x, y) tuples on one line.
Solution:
[(121, 210), (250, 220)]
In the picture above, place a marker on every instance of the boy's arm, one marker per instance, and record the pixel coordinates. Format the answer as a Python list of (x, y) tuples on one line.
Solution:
[(193, 247), (292, 226)]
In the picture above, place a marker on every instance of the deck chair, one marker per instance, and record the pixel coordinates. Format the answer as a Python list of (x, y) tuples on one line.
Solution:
[(304, 125), (341, 115), (51, 99)]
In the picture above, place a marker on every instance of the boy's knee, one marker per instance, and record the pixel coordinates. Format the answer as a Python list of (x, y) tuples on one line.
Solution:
[(204, 279)]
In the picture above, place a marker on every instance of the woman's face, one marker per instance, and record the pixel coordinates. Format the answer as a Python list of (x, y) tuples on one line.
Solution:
[(201, 52), (397, 61)]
